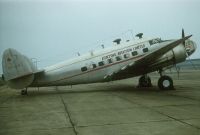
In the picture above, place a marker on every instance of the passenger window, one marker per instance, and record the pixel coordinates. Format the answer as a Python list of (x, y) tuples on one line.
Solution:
[(118, 58), (110, 61), (126, 55), (84, 69), (145, 50), (94, 65), (101, 63), (134, 53)]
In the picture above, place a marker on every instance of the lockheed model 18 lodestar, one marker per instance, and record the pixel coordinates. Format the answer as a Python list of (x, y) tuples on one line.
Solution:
[(132, 58)]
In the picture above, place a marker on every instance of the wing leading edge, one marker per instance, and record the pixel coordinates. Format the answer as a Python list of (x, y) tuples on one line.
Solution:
[(142, 61)]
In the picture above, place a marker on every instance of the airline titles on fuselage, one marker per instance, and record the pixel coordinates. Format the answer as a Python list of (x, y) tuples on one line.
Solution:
[(127, 50)]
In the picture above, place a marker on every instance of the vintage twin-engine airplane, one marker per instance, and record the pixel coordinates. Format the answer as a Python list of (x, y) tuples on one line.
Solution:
[(124, 60)]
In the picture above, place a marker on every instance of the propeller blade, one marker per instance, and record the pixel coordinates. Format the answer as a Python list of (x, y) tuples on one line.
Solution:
[(183, 36)]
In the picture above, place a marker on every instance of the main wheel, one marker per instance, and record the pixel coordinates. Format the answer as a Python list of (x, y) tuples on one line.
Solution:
[(165, 83), (145, 82)]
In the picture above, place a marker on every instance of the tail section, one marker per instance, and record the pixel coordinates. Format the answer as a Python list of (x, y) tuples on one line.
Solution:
[(18, 70)]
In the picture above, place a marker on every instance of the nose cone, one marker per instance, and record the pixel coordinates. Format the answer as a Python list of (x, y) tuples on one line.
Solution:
[(190, 47)]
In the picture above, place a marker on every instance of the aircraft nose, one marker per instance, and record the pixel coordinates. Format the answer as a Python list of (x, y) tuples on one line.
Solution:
[(191, 47)]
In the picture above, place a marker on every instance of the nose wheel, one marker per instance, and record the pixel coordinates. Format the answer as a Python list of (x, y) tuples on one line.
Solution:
[(165, 83)]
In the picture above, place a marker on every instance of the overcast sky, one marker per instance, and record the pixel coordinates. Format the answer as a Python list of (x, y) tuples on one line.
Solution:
[(55, 30)]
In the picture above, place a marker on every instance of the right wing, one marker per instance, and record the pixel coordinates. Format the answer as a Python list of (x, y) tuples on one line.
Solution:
[(144, 60)]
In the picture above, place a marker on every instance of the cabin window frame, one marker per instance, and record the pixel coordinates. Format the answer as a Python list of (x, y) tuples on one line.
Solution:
[(118, 58), (145, 50), (127, 55), (94, 66), (84, 69), (110, 61), (101, 63), (134, 53)]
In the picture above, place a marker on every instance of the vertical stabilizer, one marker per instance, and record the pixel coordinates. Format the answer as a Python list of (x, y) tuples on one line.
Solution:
[(17, 69)]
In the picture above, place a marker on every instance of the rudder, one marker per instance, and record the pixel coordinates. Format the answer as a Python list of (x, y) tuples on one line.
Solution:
[(17, 69)]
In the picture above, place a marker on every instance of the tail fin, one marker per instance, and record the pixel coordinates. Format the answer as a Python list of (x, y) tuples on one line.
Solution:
[(18, 70)]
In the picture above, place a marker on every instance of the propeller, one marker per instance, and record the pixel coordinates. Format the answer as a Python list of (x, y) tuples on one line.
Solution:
[(178, 69), (183, 36), (184, 44)]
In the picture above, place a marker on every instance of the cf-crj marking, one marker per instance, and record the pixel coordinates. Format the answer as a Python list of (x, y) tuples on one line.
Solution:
[(123, 60)]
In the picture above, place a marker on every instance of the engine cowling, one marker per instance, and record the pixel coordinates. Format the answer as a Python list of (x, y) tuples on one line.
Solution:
[(170, 58), (179, 54)]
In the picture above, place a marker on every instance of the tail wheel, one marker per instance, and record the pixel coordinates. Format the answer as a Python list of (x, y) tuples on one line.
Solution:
[(24, 92), (165, 83), (145, 81)]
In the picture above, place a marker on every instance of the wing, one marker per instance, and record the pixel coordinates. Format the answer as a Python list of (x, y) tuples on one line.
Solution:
[(126, 71)]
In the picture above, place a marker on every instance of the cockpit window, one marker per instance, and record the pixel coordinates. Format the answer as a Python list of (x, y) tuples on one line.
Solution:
[(155, 41)]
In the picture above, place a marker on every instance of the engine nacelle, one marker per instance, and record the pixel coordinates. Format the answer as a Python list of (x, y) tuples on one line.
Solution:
[(179, 54), (172, 57)]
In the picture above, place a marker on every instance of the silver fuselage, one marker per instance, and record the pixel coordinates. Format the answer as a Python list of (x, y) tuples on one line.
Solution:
[(69, 72)]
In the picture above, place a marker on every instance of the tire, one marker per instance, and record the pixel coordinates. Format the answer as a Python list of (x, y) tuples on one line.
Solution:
[(165, 83), (145, 83)]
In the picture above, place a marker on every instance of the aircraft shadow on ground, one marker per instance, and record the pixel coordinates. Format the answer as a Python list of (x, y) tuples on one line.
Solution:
[(92, 89)]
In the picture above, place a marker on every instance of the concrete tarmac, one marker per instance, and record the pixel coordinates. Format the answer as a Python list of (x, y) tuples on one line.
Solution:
[(115, 108)]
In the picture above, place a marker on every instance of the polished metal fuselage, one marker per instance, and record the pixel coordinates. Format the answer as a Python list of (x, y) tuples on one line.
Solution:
[(69, 72)]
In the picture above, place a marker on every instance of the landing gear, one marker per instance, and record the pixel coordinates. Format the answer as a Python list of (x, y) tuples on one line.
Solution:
[(24, 92), (145, 81), (165, 83)]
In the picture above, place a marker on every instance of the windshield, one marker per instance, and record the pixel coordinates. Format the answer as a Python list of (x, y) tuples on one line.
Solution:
[(155, 41)]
